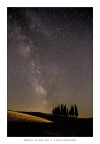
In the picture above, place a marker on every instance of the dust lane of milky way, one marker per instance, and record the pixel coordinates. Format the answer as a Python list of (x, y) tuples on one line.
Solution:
[(50, 54)]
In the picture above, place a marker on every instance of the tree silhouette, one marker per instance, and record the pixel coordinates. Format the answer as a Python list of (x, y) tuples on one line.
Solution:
[(76, 111), (71, 112), (56, 110), (62, 110), (67, 113)]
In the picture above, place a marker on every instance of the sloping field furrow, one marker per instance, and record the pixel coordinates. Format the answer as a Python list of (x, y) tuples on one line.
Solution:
[(21, 117)]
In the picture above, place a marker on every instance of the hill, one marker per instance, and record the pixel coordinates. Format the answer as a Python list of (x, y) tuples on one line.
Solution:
[(22, 117), (41, 124)]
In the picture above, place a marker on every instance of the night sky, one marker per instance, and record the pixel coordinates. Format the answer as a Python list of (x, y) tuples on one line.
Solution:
[(50, 59)]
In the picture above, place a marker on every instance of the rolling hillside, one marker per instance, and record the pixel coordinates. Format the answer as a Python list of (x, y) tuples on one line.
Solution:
[(37, 124), (22, 117)]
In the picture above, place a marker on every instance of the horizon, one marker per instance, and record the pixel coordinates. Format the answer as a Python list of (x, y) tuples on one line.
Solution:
[(48, 113)]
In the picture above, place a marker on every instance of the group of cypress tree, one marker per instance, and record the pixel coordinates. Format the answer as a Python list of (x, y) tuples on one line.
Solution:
[(63, 110)]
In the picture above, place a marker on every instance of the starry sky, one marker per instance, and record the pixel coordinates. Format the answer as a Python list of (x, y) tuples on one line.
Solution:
[(50, 59)]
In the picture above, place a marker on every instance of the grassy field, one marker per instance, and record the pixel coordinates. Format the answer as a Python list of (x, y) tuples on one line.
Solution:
[(22, 117), (36, 124)]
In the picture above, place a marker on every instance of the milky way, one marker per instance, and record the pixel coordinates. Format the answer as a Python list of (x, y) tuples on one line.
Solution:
[(50, 53)]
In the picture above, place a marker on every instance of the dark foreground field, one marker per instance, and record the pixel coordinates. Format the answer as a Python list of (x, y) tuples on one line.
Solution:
[(49, 125)]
